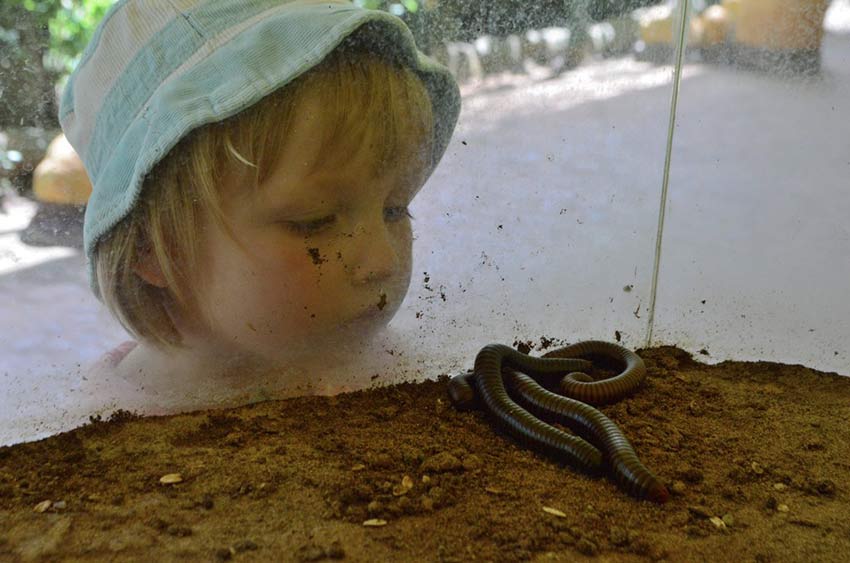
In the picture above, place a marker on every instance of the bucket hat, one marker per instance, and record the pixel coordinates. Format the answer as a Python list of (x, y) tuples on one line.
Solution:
[(155, 70)]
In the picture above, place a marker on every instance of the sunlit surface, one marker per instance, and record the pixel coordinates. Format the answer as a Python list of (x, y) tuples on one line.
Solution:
[(756, 260)]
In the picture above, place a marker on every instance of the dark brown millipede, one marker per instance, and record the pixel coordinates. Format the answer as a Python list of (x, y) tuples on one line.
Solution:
[(494, 374)]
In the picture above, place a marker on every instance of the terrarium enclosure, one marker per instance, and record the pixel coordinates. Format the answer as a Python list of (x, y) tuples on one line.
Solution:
[(543, 219), (671, 177)]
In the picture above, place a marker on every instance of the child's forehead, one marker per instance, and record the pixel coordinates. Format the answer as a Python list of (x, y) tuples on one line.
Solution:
[(349, 176), (321, 141)]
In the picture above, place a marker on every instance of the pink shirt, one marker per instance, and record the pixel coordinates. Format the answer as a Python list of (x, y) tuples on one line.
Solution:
[(114, 357)]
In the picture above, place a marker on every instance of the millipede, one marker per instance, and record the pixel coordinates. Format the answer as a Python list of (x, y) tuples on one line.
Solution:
[(503, 383)]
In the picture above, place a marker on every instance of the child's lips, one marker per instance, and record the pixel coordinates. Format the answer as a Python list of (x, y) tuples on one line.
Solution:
[(374, 310)]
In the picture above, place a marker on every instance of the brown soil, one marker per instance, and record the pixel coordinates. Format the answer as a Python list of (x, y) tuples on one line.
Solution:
[(757, 456)]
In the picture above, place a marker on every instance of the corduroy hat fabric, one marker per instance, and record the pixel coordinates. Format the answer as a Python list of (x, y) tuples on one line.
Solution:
[(157, 69)]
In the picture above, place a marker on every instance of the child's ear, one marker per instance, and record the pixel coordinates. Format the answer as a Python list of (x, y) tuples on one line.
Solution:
[(148, 269)]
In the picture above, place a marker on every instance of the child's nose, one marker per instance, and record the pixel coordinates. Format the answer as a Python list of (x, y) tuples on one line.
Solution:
[(374, 255)]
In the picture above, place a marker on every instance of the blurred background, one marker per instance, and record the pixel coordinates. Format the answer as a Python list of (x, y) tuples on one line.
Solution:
[(540, 225)]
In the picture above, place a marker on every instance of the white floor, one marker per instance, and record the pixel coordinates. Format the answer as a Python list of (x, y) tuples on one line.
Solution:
[(541, 222)]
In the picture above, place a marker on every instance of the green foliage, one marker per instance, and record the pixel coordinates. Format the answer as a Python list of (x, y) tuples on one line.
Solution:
[(70, 23)]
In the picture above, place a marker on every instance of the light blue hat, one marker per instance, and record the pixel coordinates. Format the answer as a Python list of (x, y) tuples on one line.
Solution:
[(157, 69)]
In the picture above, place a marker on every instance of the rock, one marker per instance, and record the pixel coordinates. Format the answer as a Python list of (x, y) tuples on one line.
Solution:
[(61, 177), (42, 506), (440, 463), (171, 479), (21, 148), (718, 522)]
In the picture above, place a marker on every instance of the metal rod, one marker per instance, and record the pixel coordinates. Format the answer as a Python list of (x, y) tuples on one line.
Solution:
[(677, 78)]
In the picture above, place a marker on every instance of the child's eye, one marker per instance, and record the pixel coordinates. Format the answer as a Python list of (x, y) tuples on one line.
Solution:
[(397, 213), (310, 227)]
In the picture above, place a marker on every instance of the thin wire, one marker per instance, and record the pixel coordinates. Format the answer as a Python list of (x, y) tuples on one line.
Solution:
[(677, 78)]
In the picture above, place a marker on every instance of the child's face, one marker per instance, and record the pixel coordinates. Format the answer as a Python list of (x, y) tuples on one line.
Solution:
[(325, 255)]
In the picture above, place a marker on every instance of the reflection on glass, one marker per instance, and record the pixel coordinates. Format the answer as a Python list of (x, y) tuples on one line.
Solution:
[(537, 225), (757, 249)]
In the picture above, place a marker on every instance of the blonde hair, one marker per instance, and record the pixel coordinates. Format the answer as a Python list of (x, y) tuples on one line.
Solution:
[(365, 94)]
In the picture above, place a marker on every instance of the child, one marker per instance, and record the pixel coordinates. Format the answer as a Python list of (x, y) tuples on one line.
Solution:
[(252, 165)]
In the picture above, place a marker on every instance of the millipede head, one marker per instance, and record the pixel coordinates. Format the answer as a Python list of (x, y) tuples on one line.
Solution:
[(658, 493), (462, 392)]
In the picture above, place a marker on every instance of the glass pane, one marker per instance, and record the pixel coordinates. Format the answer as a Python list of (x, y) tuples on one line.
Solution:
[(537, 227), (756, 250)]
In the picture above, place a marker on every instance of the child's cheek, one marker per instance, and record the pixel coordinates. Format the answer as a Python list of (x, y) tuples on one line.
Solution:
[(303, 282)]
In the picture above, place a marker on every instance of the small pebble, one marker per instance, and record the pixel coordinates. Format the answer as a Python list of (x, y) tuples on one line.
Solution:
[(757, 468), (554, 512), (59, 505), (718, 523), (400, 490), (375, 522), (42, 506), (780, 486), (358, 467), (440, 463), (678, 488), (782, 508), (729, 520), (171, 479)]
